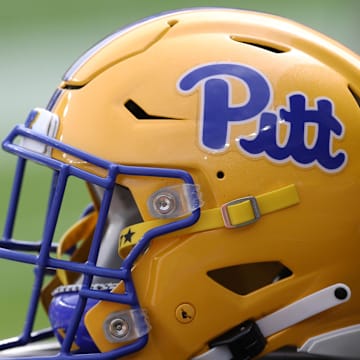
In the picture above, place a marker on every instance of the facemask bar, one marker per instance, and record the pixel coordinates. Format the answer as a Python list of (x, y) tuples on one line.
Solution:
[(43, 262)]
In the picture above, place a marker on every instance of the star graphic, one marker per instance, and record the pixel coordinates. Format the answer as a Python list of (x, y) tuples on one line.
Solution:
[(128, 236)]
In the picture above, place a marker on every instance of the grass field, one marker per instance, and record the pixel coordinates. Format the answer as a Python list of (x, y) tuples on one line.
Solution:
[(39, 41)]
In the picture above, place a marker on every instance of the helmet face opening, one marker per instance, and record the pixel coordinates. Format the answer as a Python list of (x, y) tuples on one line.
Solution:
[(215, 151)]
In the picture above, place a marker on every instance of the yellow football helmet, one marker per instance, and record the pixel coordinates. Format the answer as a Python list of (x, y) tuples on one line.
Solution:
[(220, 150)]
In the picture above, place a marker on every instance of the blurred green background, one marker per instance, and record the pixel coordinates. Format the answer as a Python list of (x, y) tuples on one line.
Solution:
[(39, 40)]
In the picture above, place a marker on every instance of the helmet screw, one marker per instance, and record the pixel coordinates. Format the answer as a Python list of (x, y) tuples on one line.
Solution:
[(185, 313), (118, 328), (164, 203)]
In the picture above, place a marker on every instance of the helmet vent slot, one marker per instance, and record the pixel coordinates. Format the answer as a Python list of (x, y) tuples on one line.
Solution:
[(72, 87), (274, 48), (245, 278), (354, 95), (172, 23), (140, 114)]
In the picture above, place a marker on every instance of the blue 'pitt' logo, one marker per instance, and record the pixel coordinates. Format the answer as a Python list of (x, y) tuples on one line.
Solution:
[(218, 114)]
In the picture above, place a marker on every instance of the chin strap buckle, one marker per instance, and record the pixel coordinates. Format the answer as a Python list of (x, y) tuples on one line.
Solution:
[(244, 341)]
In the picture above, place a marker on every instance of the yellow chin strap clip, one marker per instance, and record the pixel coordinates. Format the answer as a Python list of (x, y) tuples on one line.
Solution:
[(234, 214)]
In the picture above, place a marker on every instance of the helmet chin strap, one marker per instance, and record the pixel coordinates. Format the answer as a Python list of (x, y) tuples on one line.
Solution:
[(237, 213), (281, 319)]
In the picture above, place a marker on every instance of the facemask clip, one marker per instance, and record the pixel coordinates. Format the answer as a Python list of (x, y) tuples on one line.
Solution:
[(126, 325), (175, 201), (43, 122)]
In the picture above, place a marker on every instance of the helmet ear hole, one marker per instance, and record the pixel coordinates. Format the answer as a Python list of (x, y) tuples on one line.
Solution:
[(243, 279), (220, 174)]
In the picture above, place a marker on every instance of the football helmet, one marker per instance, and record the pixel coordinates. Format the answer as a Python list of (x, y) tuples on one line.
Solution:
[(219, 149)]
